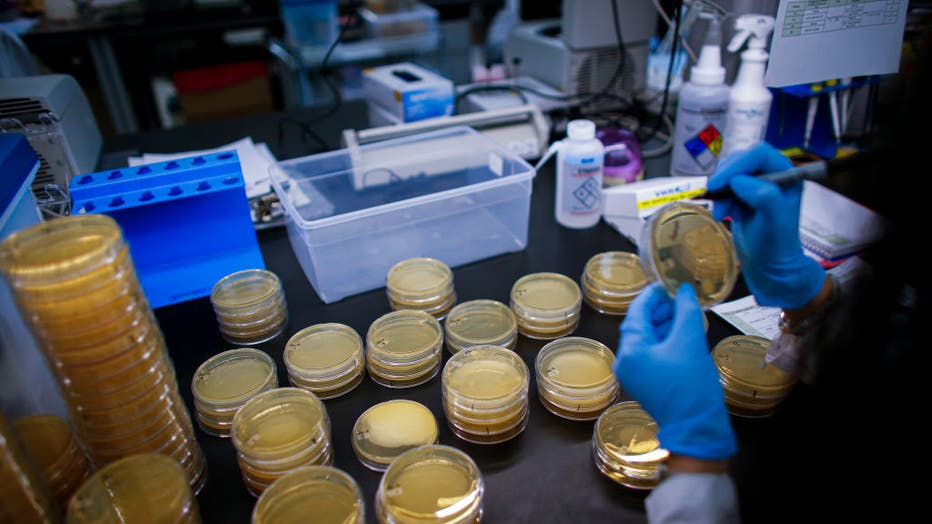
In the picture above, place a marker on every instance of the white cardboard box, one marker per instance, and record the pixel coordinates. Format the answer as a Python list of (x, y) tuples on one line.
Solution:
[(408, 92)]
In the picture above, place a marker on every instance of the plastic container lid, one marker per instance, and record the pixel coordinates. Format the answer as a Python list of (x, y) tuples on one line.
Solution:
[(626, 448), (245, 289), (321, 493), (431, 484), (231, 378), (742, 366), (480, 322), (681, 242), (615, 274), (278, 423), (546, 305), (403, 348), (140, 488), (388, 429), (324, 353), (418, 280), (575, 375), (485, 377)]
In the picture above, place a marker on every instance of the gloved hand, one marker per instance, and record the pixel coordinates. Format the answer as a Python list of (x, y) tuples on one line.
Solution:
[(766, 229), (664, 363)]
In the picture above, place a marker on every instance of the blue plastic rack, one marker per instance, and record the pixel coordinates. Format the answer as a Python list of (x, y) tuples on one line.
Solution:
[(187, 221)]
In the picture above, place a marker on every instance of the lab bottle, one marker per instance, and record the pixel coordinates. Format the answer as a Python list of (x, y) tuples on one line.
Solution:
[(580, 159)]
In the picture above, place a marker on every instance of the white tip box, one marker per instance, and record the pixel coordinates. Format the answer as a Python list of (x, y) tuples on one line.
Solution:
[(627, 207), (408, 92)]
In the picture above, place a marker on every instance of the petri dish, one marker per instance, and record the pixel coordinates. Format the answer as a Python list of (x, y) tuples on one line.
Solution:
[(223, 383), (626, 448), (323, 494), (388, 429), (278, 423), (575, 379), (682, 242), (49, 440), (611, 281), (479, 323), (435, 483), (244, 289), (403, 348), (325, 357), (144, 488), (250, 306), (419, 283), (752, 386), (546, 305)]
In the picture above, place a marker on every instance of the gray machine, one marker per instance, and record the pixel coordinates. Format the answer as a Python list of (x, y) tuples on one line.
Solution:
[(54, 114), (579, 52)]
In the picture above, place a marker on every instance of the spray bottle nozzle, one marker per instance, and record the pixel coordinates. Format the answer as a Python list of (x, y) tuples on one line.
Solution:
[(757, 28)]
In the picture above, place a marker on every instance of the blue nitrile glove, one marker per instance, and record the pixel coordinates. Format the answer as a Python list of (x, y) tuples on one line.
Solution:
[(664, 363), (766, 229)]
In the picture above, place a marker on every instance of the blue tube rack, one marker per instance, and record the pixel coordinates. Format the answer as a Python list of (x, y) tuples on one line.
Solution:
[(187, 221)]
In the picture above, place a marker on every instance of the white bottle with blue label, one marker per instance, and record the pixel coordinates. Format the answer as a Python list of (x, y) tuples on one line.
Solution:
[(579, 176)]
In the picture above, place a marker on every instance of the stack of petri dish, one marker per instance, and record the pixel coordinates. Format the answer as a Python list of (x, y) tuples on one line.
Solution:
[(575, 378), (485, 394), (24, 496), (49, 440), (625, 446), (279, 431), (611, 281), (388, 429), (682, 242), (422, 284), (74, 280), (403, 348), (226, 381), (546, 305), (480, 323), (437, 484), (312, 493), (326, 359), (139, 488), (250, 306), (753, 388)]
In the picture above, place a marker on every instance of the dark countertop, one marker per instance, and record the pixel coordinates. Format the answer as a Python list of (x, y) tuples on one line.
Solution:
[(544, 475)]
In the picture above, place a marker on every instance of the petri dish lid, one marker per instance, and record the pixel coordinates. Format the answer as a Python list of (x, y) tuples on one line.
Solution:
[(682, 242), (325, 351), (485, 374), (629, 434), (244, 289), (616, 272), (233, 376), (419, 279), (741, 359), (576, 363), (546, 295), (404, 335), (140, 488), (61, 249), (388, 429), (480, 322), (318, 493), (279, 422), (433, 483)]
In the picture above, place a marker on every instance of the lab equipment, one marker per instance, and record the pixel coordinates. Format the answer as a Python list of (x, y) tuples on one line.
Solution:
[(408, 92), (187, 221), (423, 284), (575, 379), (546, 305), (623, 161), (666, 367), (409, 19), (26, 497), (250, 306), (625, 447), (403, 348), (480, 323), (628, 206), (683, 243), (765, 225), (436, 483), (752, 386), (580, 157), (485, 394), (453, 195), (279, 431), (611, 281), (749, 101), (311, 23), (55, 116), (74, 279), (388, 429), (326, 359), (225, 382), (321, 491), (26, 383), (701, 110), (141, 488), (51, 443)]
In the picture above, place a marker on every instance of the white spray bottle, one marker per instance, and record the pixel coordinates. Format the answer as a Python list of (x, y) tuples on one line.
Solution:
[(580, 158), (749, 101)]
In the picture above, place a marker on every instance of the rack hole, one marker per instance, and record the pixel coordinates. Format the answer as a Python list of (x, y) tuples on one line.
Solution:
[(172, 165), (114, 175), (86, 179), (145, 197), (225, 156), (117, 202), (144, 170), (175, 191), (89, 206), (203, 186), (198, 160), (229, 180)]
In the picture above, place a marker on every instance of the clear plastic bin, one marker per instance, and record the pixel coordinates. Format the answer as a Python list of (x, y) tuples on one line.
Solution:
[(419, 19), (452, 194)]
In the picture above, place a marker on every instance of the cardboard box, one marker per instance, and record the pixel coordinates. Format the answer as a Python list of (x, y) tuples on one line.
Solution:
[(408, 92)]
